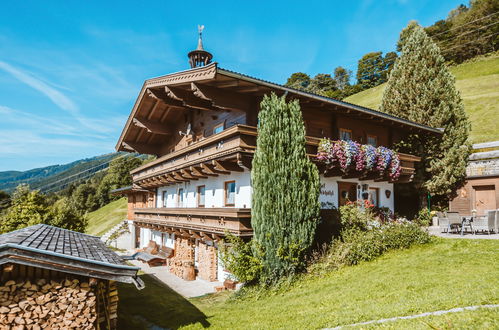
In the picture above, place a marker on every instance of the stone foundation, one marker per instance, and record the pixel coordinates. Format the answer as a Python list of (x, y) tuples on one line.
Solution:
[(207, 262)]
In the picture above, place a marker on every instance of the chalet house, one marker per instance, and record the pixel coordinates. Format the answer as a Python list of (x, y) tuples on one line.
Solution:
[(202, 126), (481, 191)]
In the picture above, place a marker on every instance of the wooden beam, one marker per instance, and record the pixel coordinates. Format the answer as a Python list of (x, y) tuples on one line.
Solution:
[(142, 148), (227, 166), (197, 172), (177, 176), (207, 237), (208, 170), (220, 98), (244, 161), (188, 99), (153, 127), (194, 234), (186, 174)]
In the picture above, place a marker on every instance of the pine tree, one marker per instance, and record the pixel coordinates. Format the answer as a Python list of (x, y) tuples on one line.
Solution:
[(422, 89), (285, 182)]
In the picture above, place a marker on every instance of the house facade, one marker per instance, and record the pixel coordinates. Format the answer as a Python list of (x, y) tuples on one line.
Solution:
[(202, 126), (481, 190)]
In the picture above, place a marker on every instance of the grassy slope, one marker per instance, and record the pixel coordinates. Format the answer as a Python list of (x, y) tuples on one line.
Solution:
[(106, 217), (478, 82), (441, 275)]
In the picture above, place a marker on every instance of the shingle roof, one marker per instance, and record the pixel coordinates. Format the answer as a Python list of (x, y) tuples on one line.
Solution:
[(45, 238)]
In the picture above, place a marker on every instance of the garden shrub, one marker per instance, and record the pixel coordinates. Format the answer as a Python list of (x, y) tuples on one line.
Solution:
[(364, 238), (241, 258), (423, 218)]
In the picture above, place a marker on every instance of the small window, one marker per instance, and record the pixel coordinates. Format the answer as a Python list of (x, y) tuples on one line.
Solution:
[(230, 193), (164, 198), (218, 129), (180, 198), (201, 195), (374, 196), (372, 140), (345, 134)]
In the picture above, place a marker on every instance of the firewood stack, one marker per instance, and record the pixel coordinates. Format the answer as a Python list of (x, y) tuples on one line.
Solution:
[(42, 304)]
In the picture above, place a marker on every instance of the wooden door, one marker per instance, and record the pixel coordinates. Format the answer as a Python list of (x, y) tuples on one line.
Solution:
[(485, 199), (347, 191)]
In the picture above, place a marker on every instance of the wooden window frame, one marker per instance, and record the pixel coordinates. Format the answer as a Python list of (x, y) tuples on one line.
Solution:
[(346, 130), (225, 193), (198, 195), (222, 124), (372, 136), (179, 196), (377, 194)]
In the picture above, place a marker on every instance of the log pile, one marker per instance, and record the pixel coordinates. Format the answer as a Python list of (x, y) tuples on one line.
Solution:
[(47, 304)]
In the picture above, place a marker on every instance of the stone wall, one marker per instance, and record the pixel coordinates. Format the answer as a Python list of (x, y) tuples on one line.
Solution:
[(207, 262), (182, 262)]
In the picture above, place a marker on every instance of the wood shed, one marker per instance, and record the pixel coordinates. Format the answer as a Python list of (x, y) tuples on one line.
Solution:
[(53, 278)]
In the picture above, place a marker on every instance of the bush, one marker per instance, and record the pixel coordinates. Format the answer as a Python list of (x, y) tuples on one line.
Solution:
[(364, 239), (423, 218), (240, 258)]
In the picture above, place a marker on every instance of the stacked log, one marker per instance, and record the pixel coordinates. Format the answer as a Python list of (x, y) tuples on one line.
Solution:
[(44, 304)]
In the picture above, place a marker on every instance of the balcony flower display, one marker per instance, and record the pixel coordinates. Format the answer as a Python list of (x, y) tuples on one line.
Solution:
[(363, 158)]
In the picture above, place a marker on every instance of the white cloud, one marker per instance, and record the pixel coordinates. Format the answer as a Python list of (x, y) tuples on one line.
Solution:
[(61, 100)]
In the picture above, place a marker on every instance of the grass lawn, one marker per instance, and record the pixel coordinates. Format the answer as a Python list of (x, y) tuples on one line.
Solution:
[(442, 275), (478, 83), (105, 218)]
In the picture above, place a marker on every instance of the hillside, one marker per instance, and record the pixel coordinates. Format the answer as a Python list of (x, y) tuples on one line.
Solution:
[(53, 178), (105, 218), (390, 286), (478, 83)]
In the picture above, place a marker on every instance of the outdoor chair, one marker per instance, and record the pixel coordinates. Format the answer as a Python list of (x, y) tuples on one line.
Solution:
[(496, 226), (485, 223), (455, 220), (443, 222)]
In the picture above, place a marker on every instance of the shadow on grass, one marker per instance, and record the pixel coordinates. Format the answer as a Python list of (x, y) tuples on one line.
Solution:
[(156, 307)]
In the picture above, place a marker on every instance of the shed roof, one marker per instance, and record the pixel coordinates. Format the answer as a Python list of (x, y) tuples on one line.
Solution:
[(64, 250)]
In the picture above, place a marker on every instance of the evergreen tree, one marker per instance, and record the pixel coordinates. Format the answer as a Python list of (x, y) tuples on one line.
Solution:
[(298, 80), (370, 70), (285, 182), (342, 77), (422, 89)]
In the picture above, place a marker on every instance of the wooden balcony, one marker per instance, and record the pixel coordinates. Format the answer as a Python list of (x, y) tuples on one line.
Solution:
[(207, 223), (228, 151)]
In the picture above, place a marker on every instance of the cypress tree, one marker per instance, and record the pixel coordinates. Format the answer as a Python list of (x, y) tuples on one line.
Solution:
[(285, 208), (422, 89)]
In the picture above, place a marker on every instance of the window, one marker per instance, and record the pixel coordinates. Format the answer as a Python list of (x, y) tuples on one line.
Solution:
[(201, 190), (180, 198), (374, 196), (230, 193), (164, 198), (345, 134), (218, 129), (372, 140)]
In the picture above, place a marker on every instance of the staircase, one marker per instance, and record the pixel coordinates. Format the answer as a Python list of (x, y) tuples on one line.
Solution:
[(110, 232)]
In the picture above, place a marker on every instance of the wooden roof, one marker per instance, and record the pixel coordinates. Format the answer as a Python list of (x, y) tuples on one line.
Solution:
[(64, 250), (213, 88)]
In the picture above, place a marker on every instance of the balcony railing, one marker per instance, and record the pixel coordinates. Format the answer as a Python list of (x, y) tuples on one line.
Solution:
[(196, 221), (230, 150)]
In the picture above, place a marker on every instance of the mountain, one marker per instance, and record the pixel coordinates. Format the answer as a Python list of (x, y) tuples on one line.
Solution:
[(55, 177), (478, 82)]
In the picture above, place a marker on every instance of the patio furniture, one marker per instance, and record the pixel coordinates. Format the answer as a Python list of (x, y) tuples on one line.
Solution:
[(443, 222), (455, 220), (485, 223), (467, 222)]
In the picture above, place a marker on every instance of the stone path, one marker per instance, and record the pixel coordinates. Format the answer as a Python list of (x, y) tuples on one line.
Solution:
[(442, 312), (187, 289), (436, 231)]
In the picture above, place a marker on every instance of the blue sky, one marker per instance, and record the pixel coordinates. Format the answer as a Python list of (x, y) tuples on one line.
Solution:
[(71, 70)]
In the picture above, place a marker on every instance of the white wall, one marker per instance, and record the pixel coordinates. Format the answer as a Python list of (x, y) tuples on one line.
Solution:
[(329, 191), (214, 191)]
